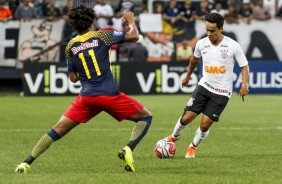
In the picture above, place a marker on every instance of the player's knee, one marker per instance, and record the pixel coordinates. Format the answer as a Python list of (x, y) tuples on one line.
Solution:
[(188, 117), (148, 121), (184, 120), (147, 113), (204, 128)]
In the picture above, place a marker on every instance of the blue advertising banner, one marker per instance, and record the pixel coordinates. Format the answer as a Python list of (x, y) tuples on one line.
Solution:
[(265, 77)]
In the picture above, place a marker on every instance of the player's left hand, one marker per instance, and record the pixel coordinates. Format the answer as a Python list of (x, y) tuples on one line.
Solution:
[(244, 91), (185, 82)]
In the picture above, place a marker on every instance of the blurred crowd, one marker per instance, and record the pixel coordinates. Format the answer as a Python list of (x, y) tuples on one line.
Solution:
[(110, 13), (232, 10), (178, 18), (27, 10)]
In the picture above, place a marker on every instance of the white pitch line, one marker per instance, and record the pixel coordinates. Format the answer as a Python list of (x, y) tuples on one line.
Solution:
[(151, 129)]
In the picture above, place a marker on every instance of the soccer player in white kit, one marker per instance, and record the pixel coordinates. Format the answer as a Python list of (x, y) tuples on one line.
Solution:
[(219, 54)]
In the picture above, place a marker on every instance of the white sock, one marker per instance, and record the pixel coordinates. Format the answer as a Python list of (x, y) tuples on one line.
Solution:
[(178, 129), (199, 137)]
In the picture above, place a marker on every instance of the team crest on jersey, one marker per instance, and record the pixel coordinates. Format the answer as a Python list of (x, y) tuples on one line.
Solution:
[(117, 33), (190, 101), (224, 53)]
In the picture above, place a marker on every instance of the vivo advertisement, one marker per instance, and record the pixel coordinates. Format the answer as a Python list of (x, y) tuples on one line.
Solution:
[(51, 79)]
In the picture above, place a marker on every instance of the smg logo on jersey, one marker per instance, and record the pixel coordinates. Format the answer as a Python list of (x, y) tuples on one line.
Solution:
[(215, 69)]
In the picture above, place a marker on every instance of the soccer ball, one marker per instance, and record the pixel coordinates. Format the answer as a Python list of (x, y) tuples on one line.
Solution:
[(165, 149)]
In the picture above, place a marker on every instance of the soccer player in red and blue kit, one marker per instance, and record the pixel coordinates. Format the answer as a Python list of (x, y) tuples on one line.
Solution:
[(88, 61)]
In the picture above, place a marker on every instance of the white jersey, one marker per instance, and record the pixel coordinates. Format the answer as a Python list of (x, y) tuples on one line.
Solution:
[(218, 64)]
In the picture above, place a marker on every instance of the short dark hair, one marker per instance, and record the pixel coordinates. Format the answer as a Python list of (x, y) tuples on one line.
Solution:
[(81, 18), (215, 18)]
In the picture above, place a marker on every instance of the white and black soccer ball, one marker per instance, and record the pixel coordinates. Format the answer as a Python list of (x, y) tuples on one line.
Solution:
[(165, 149)]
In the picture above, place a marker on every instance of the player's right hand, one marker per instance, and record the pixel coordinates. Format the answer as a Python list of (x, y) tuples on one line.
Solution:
[(128, 17)]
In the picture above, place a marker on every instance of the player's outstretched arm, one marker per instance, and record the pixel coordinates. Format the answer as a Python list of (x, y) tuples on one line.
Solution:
[(132, 35)]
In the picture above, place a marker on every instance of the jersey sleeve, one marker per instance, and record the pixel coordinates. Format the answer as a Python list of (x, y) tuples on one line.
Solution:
[(113, 37), (197, 51), (240, 56), (69, 62)]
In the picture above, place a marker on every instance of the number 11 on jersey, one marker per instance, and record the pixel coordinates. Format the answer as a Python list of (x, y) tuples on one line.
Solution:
[(96, 66)]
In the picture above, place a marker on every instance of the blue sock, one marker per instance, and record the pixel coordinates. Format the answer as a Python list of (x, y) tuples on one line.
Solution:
[(132, 144), (54, 135)]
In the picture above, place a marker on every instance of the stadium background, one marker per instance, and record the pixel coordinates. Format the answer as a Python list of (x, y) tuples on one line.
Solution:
[(244, 147), (260, 40)]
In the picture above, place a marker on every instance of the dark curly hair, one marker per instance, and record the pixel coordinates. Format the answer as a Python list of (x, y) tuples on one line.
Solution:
[(81, 18), (215, 18)]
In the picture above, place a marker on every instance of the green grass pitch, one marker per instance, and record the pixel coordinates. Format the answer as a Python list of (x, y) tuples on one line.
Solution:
[(244, 147)]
